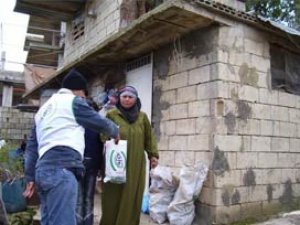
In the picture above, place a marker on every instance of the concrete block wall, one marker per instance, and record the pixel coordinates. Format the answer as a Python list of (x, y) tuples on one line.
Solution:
[(14, 124), (213, 102), (257, 139), (97, 29), (185, 89)]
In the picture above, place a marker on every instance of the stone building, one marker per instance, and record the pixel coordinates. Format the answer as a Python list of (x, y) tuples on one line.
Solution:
[(11, 88), (221, 86)]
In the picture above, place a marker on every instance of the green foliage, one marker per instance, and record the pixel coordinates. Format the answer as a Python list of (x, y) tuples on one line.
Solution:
[(278, 10), (10, 167), (22, 218)]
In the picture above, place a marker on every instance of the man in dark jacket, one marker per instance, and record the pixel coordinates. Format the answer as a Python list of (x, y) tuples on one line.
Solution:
[(93, 160)]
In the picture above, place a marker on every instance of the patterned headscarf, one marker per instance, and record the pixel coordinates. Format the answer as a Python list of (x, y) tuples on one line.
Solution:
[(132, 113)]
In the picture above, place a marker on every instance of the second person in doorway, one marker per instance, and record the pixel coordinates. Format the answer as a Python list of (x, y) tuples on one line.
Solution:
[(121, 203), (92, 161)]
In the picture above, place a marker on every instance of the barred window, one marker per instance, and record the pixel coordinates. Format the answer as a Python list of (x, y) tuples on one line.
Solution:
[(78, 27), (285, 69)]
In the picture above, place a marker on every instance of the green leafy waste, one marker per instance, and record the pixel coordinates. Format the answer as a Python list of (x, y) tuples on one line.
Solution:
[(11, 165)]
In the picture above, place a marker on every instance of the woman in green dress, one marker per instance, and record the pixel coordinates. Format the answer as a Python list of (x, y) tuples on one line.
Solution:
[(121, 203)]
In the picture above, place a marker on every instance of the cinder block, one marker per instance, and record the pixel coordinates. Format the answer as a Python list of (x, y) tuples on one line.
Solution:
[(256, 194), (199, 108), (261, 63), (294, 145), (216, 89), (280, 144), (232, 177), (223, 56), (268, 96), (220, 126), (287, 129), (286, 99), (261, 144), (163, 143), (165, 114), (184, 158), (266, 127), (246, 144), (200, 75), (207, 196), (179, 80), (227, 72), (247, 160), (186, 126), (168, 97), (275, 128), (205, 157), (286, 160), (227, 215), (186, 94), (167, 158), (297, 102), (237, 59), (267, 176), (178, 143), (294, 115), (204, 125), (248, 93), (170, 127), (267, 160), (264, 80), (261, 111), (254, 47), (228, 142), (179, 111), (249, 127), (198, 142)]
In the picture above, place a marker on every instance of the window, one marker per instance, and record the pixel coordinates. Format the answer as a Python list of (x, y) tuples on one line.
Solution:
[(78, 27), (285, 70)]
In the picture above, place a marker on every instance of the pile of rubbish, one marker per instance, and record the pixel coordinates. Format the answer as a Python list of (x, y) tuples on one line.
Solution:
[(13, 206), (171, 198)]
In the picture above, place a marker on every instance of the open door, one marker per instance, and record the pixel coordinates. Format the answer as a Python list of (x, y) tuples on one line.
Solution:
[(139, 75)]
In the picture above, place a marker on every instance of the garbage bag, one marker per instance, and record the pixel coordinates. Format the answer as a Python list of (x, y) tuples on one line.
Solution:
[(161, 192), (12, 194), (181, 210), (145, 204)]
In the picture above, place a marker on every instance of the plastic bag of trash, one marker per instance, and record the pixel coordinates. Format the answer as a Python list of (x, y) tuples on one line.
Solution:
[(181, 210), (162, 189), (12, 195), (145, 203), (115, 161), (2, 143)]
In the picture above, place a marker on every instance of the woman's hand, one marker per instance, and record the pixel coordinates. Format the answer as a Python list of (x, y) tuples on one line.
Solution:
[(153, 162)]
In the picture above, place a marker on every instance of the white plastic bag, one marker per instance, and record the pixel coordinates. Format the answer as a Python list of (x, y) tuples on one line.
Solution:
[(2, 143), (161, 192), (181, 210), (115, 161)]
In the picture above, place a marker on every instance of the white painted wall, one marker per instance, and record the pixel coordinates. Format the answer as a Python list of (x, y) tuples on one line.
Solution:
[(141, 79)]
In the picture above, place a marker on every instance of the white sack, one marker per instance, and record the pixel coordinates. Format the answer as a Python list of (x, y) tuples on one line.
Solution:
[(181, 210), (161, 193)]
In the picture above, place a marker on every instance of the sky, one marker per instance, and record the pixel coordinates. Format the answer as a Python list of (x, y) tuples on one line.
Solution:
[(13, 27)]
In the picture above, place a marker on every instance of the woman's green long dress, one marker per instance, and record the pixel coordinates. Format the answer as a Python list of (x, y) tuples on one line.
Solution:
[(121, 203)]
